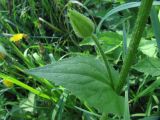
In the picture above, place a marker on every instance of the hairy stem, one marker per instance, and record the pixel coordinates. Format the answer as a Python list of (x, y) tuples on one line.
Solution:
[(143, 14), (104, 59)]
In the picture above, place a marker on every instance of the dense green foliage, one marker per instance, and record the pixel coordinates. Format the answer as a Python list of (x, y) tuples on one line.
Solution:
[(65, 64)]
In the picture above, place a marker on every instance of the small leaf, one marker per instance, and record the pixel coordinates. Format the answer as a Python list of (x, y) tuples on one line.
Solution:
[(28, 104), (109, 41), (85, 77), (148, 47), (148, 66)]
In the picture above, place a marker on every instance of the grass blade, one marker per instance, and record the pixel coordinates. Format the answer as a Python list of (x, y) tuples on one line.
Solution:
[(149, 89), (120, 8), (156, 26), (25, 86)]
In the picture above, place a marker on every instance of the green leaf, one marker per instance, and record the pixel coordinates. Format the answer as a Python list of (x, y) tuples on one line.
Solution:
[(148, 66), (109, 41), (86, 77), (148, 47), (87, 41), (28, 104), (111, 38)]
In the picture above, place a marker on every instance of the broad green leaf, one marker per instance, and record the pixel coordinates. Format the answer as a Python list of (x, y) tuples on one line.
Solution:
[(86, 77), (148, 66)]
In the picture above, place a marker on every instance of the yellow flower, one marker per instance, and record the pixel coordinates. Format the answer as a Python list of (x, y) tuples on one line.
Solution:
[(18, 37), (7, 83)]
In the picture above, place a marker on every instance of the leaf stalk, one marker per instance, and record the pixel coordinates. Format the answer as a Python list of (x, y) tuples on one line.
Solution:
[(104, 59)]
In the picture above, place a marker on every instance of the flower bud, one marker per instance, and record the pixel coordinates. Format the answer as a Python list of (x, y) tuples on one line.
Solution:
[(82, 26)]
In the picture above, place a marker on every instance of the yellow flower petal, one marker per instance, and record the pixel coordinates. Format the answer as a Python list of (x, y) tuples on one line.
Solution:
[(8, 83), (17, 37)]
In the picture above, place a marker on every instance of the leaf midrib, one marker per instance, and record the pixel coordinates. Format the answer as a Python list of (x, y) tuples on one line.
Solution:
[(76, 74)]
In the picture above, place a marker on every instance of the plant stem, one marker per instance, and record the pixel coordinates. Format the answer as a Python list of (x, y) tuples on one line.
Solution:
[(104, 59), (136, 37)]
